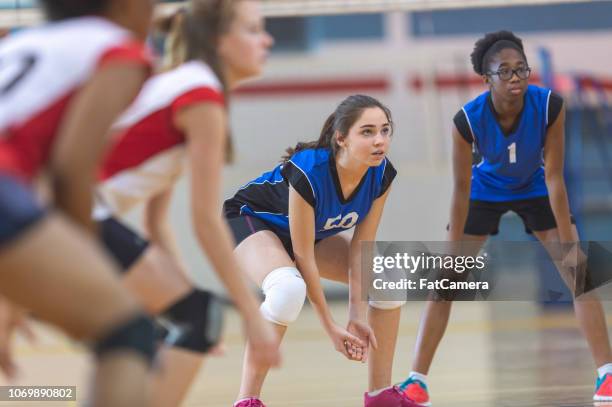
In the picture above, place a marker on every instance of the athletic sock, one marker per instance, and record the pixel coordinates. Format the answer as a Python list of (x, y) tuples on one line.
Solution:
[(605, 369), (377, 392), (418, 376)]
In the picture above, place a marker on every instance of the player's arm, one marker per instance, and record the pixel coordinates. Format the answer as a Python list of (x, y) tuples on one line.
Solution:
[(302, 227), (157, 227), (204, 125), (12, 319), (462, 181), (365, 231), (205, 129), (83, 133), (554, 152)]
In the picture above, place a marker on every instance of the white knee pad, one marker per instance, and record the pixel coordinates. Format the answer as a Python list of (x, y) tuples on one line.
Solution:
[(386, 304), (285, 292)]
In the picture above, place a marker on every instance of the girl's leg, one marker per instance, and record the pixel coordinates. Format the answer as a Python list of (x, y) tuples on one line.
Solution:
[(431, 330), (435, 319), (59, 273), (385, 324), (259, 255), (588, 309), (253, 374), (158, 282), (332, 256), (174, 375)]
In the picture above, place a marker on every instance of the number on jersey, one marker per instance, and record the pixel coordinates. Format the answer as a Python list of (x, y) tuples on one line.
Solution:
[(14, 71), (339, 222), (512, 152)]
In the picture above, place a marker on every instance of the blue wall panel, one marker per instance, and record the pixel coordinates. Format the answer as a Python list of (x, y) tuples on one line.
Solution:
[(595, 15)]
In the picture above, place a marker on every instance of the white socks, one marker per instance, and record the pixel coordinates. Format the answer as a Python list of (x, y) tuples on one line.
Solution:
[(605, 369), (421, 377), (377, 392)]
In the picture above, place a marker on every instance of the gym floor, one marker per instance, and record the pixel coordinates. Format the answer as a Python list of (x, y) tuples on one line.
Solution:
[(494, 354)]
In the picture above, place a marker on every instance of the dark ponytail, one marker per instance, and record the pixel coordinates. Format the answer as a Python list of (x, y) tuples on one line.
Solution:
[(56, 10), (339, 123)]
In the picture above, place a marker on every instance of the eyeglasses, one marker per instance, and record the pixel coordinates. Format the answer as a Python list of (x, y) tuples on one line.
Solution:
[(505, 74)]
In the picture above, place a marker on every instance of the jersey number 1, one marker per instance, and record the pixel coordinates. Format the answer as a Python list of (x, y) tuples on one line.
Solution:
[(13, 72), (512, 152)]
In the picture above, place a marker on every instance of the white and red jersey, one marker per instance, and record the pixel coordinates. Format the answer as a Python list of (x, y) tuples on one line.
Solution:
[(147, 154), (40, 70)]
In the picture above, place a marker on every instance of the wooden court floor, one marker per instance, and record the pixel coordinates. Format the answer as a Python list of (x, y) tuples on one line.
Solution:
[(494, 354)]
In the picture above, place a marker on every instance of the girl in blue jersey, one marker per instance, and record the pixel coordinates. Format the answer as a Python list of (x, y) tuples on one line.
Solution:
[(287, 223), (518, 129)]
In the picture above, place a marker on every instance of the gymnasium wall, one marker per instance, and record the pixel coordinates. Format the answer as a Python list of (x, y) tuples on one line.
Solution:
[(424, 77)]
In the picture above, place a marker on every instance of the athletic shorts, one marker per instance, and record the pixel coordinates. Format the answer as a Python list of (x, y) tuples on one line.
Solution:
[(19, 208), (125, 245), (536, 213), (243, 226)]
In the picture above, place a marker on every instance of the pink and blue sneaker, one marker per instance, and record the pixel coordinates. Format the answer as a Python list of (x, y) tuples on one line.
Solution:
[(391, 397), (603, 388), (250, 402), (416, 390)]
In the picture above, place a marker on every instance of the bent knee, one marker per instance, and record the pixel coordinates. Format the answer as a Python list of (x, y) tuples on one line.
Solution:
[(285, 292)]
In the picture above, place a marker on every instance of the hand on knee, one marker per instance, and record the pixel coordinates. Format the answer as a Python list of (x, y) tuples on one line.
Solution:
[(285, 292)]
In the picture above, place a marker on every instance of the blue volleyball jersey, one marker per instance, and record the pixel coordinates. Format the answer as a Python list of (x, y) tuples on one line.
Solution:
[(312, 173), (512, 166)]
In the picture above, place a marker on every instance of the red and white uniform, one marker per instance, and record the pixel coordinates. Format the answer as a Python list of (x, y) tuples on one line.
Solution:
[(40, 70), (148, 153)]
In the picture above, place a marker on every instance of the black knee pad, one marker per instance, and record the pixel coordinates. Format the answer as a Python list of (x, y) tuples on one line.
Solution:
[(194, 322), (136, 335)]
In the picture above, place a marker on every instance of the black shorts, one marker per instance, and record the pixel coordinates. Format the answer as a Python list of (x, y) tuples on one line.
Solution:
[(19, 208), (125, 245), (244, 226), (483, 216)]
